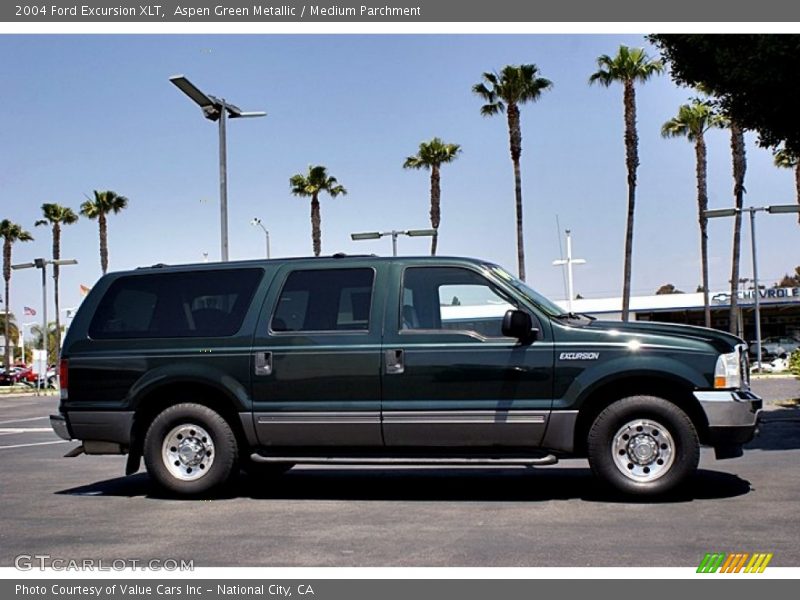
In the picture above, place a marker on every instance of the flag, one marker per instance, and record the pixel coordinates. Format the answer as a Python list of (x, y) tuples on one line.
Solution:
[(28, 311), (85, 289)]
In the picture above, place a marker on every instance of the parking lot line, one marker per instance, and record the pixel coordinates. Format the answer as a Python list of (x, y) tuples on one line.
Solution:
[(11, 430), (34, 444), (22, 420)]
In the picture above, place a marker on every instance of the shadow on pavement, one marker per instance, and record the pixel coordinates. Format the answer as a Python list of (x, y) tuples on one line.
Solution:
[(418, 484), (779, 430)]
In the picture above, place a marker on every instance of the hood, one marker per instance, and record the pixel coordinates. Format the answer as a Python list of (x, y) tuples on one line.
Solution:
[(722, 341)]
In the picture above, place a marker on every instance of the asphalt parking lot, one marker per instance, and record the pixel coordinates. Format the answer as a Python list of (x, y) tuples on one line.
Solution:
[(75, 508)]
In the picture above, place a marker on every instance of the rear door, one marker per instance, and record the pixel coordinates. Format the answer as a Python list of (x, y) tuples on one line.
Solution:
[(450, 377), (316, 353)]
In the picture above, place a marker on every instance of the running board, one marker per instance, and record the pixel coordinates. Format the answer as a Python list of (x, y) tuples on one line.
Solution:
[(406, 461)]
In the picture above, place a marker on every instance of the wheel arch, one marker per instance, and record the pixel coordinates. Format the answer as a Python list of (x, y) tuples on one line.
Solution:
[(156, 398), (672, 389)]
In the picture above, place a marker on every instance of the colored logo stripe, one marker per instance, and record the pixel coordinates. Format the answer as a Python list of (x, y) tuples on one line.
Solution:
[(758, 563), (711, 562), (734, 562)]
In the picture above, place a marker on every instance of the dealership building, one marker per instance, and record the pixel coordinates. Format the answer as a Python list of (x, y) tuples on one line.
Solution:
[(780, 310)]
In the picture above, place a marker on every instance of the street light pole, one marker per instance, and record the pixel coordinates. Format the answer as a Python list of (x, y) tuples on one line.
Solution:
[(217, 109), (223, 182), (755, 284), (257, 221), (41, 263), (730, 212), (376, 235)]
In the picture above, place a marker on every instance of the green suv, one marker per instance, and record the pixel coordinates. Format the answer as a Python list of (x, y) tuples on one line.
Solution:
[(260, 365)]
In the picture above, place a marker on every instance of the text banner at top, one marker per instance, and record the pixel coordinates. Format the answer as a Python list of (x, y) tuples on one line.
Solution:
[(407, 11)]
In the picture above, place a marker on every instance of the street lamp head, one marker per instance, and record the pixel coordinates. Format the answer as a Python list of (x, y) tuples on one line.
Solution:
[(255, 221), (64, 261), (23, 266), (720, 212), (420, 232), (249, 114), (784, 208), (191, 90), (371, 235)]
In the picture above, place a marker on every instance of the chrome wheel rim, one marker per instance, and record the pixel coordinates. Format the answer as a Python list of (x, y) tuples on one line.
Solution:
[(643, 450), (188, 452)]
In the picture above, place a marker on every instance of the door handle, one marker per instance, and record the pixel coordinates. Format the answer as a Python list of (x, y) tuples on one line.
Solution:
[(263, 363), (395, 362)]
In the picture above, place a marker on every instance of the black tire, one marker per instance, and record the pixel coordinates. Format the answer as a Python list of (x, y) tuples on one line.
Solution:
[(673, 441), (221, 444)]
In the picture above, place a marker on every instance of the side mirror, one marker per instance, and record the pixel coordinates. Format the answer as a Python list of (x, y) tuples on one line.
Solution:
[(518, 324)]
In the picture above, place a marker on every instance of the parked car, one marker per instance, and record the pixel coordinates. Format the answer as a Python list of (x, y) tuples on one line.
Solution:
[(780, 345), (202, 369)]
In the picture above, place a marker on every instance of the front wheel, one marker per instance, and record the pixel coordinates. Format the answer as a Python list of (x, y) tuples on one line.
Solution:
[(643, 445), (189, 449)]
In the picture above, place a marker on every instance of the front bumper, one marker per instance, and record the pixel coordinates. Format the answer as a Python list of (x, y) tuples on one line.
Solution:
[(732, 417)]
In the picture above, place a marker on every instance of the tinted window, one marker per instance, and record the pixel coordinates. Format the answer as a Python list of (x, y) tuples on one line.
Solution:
[(329, 300), (454, 299), (197, 304)]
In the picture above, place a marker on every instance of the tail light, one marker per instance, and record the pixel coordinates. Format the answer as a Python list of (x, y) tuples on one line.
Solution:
[(63, 378)]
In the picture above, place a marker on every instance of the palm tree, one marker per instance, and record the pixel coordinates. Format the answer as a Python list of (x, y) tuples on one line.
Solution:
[(505, 92), (11, 233), (56, 215), (311, 185), (104, 203), (432, 155), (13, 329), (790, 160), (630, 65), (739, 168), (53, 340), (692, 122)]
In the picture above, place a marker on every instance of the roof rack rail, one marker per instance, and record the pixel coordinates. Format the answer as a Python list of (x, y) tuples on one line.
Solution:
[(155, 266), (344, 255)]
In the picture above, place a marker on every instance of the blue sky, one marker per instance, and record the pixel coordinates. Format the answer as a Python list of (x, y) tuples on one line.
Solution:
[(98, 112)]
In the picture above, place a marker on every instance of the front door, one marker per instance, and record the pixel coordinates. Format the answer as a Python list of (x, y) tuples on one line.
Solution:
[(316, 361), (450, 377)]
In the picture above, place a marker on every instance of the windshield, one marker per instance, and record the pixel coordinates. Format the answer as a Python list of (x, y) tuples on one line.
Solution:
[(548, 306)]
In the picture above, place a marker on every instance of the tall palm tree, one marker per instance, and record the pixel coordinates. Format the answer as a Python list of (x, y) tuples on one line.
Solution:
[(11, 233), (104, 204), (53, 340), (432, 155), (629, 66), (505, 92), (56, 215), (739, 168), (317, 180), (13, 328), (692, 122), (789, 160)]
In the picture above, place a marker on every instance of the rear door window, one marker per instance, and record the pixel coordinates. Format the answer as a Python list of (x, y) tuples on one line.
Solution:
[(324, 300), (207, 303)]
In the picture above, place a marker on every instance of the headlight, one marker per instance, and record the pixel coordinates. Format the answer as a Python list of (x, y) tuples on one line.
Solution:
[(727, 374)]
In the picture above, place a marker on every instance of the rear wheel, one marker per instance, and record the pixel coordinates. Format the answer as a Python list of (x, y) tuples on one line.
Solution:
[(189, 449), (643, 445)]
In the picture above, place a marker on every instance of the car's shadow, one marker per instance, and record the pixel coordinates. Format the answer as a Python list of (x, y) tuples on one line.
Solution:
[(429, 484), (779, 430)]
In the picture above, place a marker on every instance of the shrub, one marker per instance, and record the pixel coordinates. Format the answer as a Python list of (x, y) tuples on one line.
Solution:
[(794, 362)]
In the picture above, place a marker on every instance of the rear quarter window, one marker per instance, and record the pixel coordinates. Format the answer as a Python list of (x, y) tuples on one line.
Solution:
[(204, 303)]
